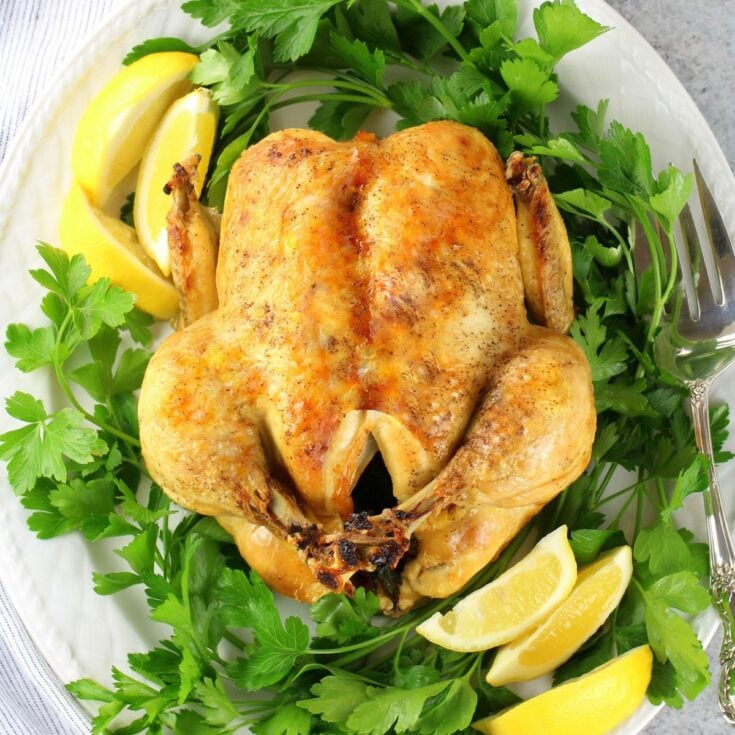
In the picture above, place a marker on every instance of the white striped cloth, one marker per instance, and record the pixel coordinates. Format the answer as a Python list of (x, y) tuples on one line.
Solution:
[(32, 699), (36, 37)]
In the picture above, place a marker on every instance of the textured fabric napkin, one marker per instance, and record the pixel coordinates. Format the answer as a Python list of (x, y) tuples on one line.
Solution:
[(36, 38)]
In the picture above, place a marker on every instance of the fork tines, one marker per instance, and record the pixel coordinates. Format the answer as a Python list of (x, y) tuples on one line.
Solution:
[(703, 240)]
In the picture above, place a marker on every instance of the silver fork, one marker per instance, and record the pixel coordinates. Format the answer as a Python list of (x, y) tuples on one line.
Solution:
[(696, 343)]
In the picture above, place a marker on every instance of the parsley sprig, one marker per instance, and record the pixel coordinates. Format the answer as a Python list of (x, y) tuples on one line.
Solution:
[(231, 659), (58, 445), (349, 58)]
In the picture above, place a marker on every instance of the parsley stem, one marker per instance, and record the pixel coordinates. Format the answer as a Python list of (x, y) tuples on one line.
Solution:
[(658, 264), (602, 486), (201, 48), (405, 60), (639, 511), (133, 461), (624, 246), (64, 384), (646, 490), (622, 491), (366, 89), (235, 640), (559, 504), (359, 647), (615, 522), (461, 668), (673, 266), (399, 649), (69, 393), (663, 500), (417, 7), (331, 97), (475, 665)]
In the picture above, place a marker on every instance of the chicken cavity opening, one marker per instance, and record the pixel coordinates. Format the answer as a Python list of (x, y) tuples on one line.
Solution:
[(373, 491)]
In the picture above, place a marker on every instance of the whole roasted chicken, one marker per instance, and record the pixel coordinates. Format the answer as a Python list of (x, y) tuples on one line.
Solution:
[(371, 300)]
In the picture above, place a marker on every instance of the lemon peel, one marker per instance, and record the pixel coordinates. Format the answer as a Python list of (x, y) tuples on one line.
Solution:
[(598, 591), (118, 123), (592, 704), (112, 250), (516, 602)]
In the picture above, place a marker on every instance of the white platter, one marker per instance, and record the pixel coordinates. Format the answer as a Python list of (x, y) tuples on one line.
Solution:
[(49, 582)]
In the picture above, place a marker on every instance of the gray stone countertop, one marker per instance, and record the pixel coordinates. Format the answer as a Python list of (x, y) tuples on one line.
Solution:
[(697, 40)]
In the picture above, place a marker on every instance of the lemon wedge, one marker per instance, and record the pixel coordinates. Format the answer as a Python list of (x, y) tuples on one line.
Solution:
[(511, 605), (118, 123), (593, 704), (112, 250), (188, 127), (598, 591)]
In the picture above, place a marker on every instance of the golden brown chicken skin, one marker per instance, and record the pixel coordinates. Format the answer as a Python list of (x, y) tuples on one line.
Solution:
[(192, 244), (371, 299)]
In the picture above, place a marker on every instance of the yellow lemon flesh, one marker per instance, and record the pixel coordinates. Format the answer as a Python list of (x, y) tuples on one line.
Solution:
[(112, 250), (188, 127), (118, 123), (592, 704), (511, 605), (598, 591)]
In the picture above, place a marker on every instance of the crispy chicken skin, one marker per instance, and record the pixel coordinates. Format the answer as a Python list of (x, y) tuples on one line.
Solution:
[(371, 298)]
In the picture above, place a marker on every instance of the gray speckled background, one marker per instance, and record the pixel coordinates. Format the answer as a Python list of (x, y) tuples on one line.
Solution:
[(697, 40)]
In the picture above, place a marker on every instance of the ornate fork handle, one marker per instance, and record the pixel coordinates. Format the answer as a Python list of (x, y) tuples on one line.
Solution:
[(722, 587), (722, 557)]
